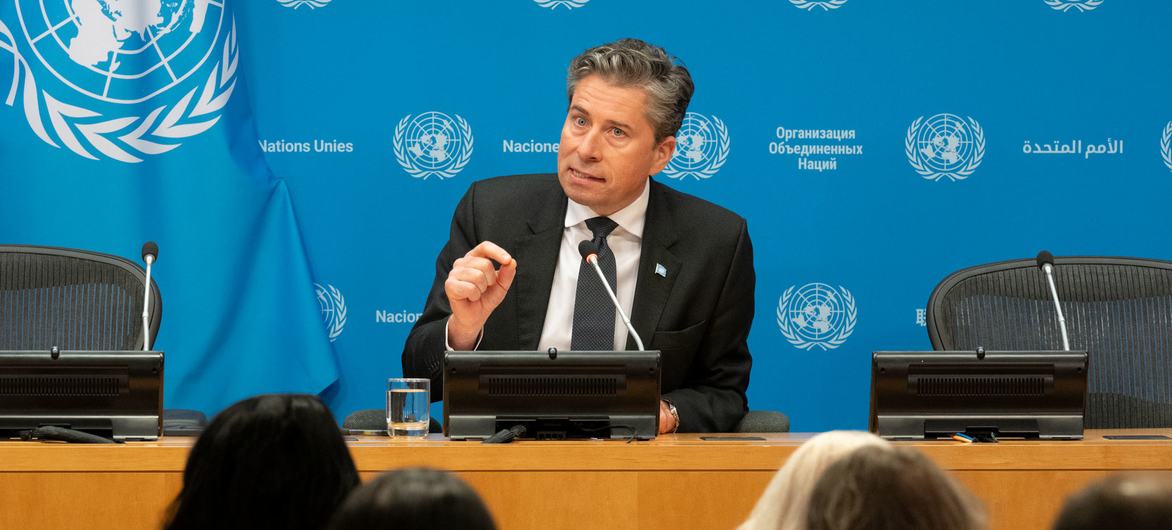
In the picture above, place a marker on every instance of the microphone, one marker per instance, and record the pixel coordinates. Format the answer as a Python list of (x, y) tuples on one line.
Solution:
[(1046, 263), (589, 253), (150, 253)]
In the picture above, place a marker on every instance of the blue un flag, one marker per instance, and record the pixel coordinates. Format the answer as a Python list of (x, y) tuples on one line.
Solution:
[(129, 121)]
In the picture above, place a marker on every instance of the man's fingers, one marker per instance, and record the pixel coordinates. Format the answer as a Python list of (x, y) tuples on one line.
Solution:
[(473, 276), (461, 290), (490, 250), (504, 277), (477, 263), (496, 293)]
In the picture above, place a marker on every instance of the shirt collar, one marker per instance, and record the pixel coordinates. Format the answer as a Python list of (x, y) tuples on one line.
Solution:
[(630, 218)]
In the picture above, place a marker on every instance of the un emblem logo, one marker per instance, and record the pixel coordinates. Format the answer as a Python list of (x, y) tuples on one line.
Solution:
[(135, 79), (554, 4), (1078, 5), (701, 148), (297, 4), (333, 308), (817, 316), (945, 146), (825, 5), (1166, 146), (433, 144)]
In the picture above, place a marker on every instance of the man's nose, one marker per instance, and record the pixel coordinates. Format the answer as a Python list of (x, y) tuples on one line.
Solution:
[(588, 150)]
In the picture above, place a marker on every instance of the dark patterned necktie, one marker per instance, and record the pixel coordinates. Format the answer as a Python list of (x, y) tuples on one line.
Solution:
[(593, 310)]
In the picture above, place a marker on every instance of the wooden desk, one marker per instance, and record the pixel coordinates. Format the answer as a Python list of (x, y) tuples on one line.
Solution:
[(676, 481)]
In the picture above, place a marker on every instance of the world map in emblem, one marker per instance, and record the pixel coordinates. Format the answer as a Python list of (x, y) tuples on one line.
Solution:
[(944, 142), (433, 136), (121, 51), (695, 142)]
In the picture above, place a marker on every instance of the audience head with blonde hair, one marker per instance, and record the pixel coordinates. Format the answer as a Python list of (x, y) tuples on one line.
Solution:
[(1136, 501), (783, 505), (890, 488)]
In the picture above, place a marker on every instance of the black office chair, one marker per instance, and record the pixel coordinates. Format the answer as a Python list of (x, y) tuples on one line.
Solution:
[(1118, 309), (79, 300), (72, 299)]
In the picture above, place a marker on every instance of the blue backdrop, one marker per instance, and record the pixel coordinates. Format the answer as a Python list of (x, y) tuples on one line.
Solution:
[(301, 170)]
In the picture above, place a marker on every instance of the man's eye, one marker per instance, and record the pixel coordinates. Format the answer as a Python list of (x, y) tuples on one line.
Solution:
[(581, 122), (619, 133)]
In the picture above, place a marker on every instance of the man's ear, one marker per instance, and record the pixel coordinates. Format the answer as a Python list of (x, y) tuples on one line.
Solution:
[(663, 153)]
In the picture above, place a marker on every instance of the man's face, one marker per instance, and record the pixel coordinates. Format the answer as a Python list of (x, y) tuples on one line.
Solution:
[(608, 146)]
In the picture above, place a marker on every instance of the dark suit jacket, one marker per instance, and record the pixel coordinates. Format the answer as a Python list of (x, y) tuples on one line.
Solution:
[(698, 316)]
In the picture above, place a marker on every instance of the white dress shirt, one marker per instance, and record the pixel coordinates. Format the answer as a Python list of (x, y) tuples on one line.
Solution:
[(625, 242)]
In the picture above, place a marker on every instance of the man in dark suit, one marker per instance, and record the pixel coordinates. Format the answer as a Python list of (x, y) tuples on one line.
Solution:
[(510, 276)]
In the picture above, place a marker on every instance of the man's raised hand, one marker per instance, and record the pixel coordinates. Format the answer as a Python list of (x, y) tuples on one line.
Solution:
[(475, 287)]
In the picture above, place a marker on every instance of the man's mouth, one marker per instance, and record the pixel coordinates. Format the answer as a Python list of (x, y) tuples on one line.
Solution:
[(584, 176)]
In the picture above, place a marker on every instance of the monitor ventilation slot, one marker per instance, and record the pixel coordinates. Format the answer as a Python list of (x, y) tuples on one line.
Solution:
[(981, 385), (13, 386), (569, 385)]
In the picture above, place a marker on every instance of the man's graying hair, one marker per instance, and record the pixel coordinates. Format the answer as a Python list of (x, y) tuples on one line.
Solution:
[(632, 62)]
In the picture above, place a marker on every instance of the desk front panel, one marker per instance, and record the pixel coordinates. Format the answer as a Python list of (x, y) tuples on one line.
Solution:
[(677, 481)]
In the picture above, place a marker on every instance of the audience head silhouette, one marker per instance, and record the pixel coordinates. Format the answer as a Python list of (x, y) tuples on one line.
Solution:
[(273, 461), (1134, 501), (413, 499), (890, 488), (783, 505)]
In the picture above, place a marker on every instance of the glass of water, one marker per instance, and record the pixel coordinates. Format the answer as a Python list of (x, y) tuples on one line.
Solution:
[(408, 407)]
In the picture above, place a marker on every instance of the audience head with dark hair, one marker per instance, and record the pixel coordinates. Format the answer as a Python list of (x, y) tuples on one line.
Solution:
[(1136, 501), (890, 488), (273, 461), (414, 499)]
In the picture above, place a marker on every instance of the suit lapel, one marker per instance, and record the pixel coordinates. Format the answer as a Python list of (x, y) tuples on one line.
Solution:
[(658, 267), (537, 256)]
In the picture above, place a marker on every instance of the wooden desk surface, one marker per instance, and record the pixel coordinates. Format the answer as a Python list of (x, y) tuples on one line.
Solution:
[(676, 481)]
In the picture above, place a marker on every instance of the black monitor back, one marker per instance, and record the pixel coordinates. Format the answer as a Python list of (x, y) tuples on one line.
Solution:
[(574, 394), (1027, 394), (116, 394)]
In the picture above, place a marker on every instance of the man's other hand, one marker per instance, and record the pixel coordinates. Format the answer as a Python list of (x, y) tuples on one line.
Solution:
[(667, 421)]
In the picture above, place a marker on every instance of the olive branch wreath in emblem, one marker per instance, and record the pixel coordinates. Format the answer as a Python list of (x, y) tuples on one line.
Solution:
[(297, 4), (826, 5), (909, 146), (1166, 145), (422, 173), (186, 119), (717, 162), (331, 295), (1066, 5), (791, 334), (554, 4)]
